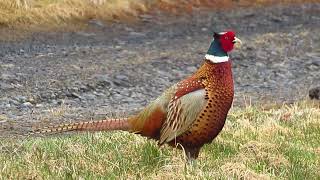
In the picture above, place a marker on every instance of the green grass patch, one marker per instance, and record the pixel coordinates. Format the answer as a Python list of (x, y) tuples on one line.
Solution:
[(279, 143)]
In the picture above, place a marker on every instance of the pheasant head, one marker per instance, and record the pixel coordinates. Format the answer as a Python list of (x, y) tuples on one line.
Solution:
[(221, 44)]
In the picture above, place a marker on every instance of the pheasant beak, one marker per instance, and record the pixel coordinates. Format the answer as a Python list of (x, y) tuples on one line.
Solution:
[(236, 40)]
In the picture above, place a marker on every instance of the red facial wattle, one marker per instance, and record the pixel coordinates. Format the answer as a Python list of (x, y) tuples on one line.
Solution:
[(226, 41)]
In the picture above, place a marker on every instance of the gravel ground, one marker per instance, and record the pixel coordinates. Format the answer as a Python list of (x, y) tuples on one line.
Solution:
[(67, 76)]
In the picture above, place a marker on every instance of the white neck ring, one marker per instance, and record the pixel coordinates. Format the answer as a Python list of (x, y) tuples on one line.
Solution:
[(217, 59)]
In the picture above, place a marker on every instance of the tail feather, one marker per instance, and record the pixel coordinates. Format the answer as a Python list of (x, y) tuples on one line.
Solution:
[(100, 125)]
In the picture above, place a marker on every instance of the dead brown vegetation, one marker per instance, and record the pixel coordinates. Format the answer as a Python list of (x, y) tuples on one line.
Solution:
[(43, 14)]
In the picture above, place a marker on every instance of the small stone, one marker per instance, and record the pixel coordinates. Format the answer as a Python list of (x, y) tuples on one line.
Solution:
[(76, 67), (3, 117), (54, 102), (122, 77), (14, 102), (84, 88), (118, 47), (121, 80), (204, 29), (86, 34), (7, 65), (8, 77), (104, 80), (128, 29), (39, 105), (277, 19), (89, 96), (314, 93), (21, 99), (136, 34), (191, 69), (73, 95), (146, 16), (31, 100), (273, 53), (5, 86), (26, 105), (316, 62), (96, 22), (252, 25)]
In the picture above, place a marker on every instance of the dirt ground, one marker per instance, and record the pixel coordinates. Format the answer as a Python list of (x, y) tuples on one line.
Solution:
[(67, 76)]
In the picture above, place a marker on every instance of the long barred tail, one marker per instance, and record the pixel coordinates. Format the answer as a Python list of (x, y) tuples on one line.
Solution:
[(100, 125)]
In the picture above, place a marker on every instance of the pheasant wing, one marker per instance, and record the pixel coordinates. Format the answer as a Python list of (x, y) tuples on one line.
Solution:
[(183, 108)]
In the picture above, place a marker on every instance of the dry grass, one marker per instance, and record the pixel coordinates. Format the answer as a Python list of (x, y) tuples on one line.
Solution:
[(278, 143), (37, 13), (43, 14)]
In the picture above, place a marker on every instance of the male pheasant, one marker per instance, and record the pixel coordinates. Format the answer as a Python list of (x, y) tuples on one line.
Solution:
[(190, 113)]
